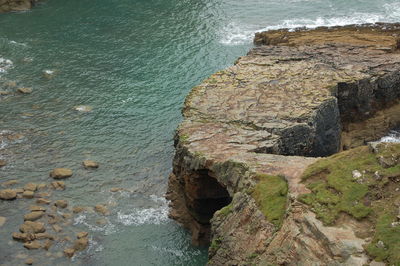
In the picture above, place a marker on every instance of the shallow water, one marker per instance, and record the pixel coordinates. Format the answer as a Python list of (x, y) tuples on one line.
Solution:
[(133, 62)]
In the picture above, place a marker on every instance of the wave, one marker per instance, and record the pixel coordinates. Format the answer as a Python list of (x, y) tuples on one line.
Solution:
[(393, 136), (5, 64)]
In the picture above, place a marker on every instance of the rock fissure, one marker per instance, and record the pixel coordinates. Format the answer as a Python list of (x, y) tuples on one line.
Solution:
[(298, 96)]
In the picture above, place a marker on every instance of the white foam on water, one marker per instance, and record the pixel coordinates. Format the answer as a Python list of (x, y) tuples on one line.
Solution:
[(5, 64), (233, 34), (18, 43), (107, 229), (155, 215), (393, 136)]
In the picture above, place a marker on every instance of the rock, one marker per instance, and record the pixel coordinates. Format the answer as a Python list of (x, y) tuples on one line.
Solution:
[(82, 234), (83, 108), (8, 194), (387, 162), (10, 84), (24, 237), (24, 90), (47, 245), (3, 163), (40, 236), (48, 74), (41, 186), (57, 228), (30, 187), (66, 215), (58, 185), (4, 93), (42, 201), (33, 216), (60, 173), (81, 244), (29, 261), (69, 252), (78, 209), (380, 244), (15, 137), (28, 194), (116, 189), (101, 209), (356, 174), (101, 221), (32, 245), (61, 204), (90, 164), (37, 209), (2, 220), (32, 227), (19, 190), (10, 183), (43, 194)]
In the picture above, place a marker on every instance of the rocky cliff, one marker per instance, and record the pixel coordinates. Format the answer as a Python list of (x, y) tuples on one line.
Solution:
[(16, 5), (246, 177)]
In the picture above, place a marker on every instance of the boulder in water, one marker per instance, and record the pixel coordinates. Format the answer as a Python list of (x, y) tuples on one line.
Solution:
[(83, 108), (90, 164), (8, 194), (60, 173), (25, 90)]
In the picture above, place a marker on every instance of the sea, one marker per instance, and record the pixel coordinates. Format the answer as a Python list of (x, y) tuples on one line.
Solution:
[(132, 63)]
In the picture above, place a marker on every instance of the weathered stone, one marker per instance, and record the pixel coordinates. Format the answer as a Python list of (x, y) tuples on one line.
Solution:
[(8, 194), (37, 209), (47, 245), (101, 209), (40, 236), (58, 185), (82, 234), (28, 194), (29, 261), (42, 201), (33, 216), (69, 252), (30, 187), (24, 237), (24, 90), (116, 189), (81, 244), (60, 173), (61, 204), (41, 186), (66, 215), (90, 164), (3, 163), (32, 227), (10, 183), (57, 228), (32, 245), (78, 209), (2, 220)]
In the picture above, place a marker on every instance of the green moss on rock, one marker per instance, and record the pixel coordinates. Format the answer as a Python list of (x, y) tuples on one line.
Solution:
[(270, 193), (365, 185)]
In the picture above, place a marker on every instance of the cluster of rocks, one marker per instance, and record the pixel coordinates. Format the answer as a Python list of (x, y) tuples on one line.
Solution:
[(16, 5), (48, 221)]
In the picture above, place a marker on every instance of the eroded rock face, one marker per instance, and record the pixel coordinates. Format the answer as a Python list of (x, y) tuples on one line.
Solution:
[(300, 95)]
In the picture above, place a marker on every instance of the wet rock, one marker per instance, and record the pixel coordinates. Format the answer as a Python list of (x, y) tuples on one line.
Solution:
[(10, 183), (19, 190), (82, 234), (15, 137), (28, 194), (48, 74), (10, 84), (81, 244), (60, 173), (61, 204), (101, 221), (8, 194), (90, 164), (66, 215), (47, 245), (116, 189), (33, 216), (83, 108), (41, 186), (69, 252), (24, 237), (40, 236), (3, 93), (3, 163), (24, 90), (58, 185), (57, 228), (2, 220), (37, 209), (43, 195), (30, 187), (32, 227), (32, 245), (101, 209), (42, 201), (29, 261), (78, 209)]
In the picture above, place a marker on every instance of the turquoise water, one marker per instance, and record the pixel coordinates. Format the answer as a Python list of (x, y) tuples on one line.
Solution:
[(133, 62)]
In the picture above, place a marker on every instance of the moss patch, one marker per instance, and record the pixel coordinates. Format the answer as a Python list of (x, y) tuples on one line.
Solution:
[(362, 184), (270, 194), (225, 210)]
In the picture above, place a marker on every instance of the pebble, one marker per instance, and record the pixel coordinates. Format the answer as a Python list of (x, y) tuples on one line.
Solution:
[(82, 234), (81, 244), (116, 189), (37, 208), (60, 173), (83, 108), (57, 228), (32, 227), (41, 186), (78, 209), (3, 163)]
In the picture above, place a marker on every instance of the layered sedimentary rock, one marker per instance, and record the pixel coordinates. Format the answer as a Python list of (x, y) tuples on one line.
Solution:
[(251, 130), (16, 5)]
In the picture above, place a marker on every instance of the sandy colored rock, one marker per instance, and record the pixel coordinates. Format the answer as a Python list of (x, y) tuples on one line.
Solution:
[(32, 245), (2, 163), (82, 234), (66, 215), (69, 252), (42, 194), (60, 173), (56, 228), (33, 216), (29, 261), (2, 220), (41, 186), (42, 201), (78, 209), (30, 187), (61, 204), (90, 164), (8, 194), (24, 237), (15, 137), (10, 183), (101, 209), (81, 244), (58, 185), (37, 208), (28, 194), (25, 90), (41, 236), (116, 189), (19, 190), (32, 227), (47, 245)]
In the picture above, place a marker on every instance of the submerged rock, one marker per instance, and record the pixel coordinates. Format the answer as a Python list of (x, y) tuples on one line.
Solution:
[(2, 220), (32, 227), (32, 245), (69, 252), (61, 204), (58, 185), (81, 244), (102, 209), (25, 90), (90, 164), (33, 216), (30, 187), (3, 163), (83, 108), (61, 173)]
